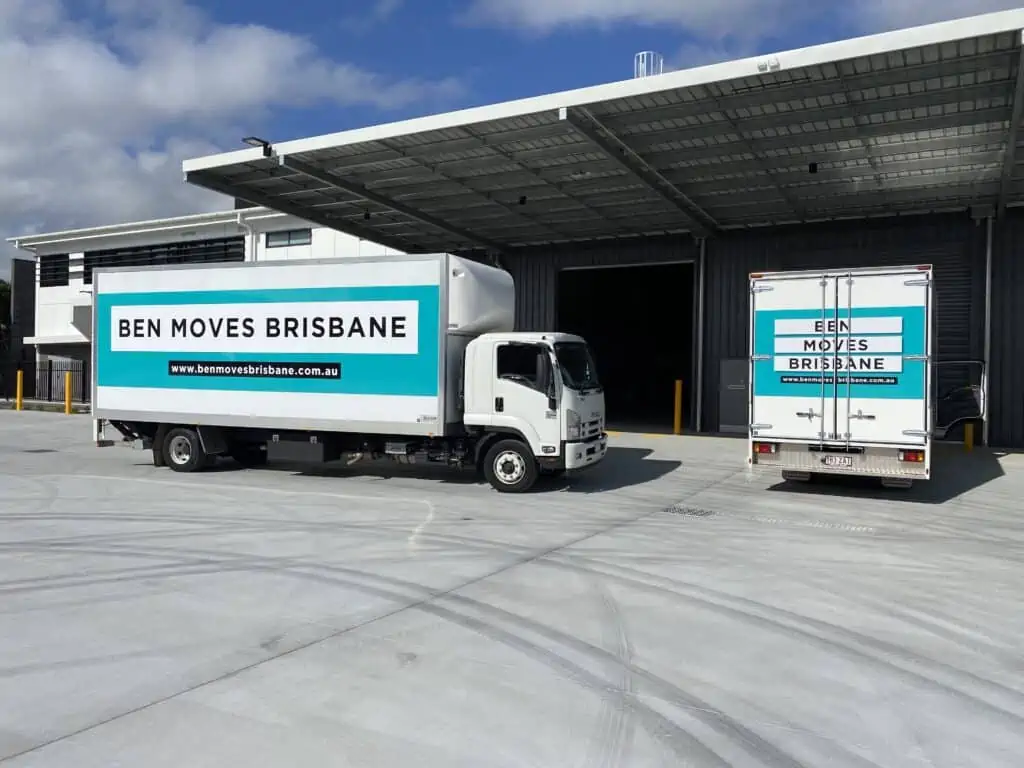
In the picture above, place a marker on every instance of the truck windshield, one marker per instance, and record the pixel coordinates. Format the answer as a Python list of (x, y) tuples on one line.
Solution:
[(577, 365)]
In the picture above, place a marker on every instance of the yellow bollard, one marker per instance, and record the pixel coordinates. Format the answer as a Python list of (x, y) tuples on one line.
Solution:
[(67, 393), (969, 436), (19, 390), (677, 416)]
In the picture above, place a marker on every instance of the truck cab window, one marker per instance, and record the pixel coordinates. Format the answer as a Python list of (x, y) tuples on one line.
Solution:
[(521, 363)]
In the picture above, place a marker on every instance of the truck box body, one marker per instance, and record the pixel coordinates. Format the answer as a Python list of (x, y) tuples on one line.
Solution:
[(350, 345), (840, 372)]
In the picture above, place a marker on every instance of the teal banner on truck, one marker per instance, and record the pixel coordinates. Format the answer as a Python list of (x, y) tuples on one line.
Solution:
[(879, 351), (354, 340)]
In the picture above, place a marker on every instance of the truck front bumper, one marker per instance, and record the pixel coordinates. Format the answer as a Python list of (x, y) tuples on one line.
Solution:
[(585, 453)]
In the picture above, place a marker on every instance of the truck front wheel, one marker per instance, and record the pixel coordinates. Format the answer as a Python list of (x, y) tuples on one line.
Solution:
[(183, 451), (510, 467)]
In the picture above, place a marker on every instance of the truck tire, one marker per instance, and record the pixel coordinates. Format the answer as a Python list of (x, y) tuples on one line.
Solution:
[(183, 450), (510, 467), (249, 455)]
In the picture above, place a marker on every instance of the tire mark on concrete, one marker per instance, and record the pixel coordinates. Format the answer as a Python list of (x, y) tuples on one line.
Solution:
[(429, 601), (785, 621), (612, 741), (849, 642)]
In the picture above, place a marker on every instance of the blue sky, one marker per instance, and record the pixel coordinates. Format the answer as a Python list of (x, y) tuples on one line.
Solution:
[(494, 61), (112, 95)]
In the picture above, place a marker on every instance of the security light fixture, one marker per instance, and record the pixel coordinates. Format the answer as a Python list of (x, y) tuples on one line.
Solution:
[(255, 141)]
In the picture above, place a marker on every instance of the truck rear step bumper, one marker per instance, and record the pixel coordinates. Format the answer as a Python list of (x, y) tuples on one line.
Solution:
[(872, 462)]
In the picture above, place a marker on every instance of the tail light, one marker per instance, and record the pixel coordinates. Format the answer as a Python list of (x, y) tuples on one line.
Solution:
[(915, 457), (766, 448)]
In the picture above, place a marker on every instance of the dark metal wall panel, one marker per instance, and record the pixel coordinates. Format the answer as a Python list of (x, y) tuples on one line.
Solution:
[(953, 244), (729, 260), (535, 270), (1006, 382), (23, 309)]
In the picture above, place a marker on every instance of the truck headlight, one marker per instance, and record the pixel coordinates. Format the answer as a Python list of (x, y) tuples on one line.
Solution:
[(573, 424)]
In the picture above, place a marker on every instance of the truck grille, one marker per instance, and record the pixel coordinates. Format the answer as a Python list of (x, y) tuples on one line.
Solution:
[(591, 428)]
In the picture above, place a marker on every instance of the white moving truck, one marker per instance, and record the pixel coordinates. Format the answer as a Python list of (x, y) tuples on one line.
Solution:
[(841, 373), (412, 358)]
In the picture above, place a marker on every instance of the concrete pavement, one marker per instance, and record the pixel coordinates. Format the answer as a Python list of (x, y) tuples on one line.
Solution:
[(672, 609)]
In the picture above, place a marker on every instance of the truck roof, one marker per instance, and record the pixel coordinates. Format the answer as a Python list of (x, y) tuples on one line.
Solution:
[(537, 336)]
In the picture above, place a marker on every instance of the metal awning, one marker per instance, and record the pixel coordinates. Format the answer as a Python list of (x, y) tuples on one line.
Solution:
[(914, 120)]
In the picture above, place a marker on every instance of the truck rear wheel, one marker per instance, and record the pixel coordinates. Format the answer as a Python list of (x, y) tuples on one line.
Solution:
[(510, 467), (183, 450)]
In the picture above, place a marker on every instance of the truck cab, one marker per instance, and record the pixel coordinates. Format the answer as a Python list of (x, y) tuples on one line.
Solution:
[(540, 389)]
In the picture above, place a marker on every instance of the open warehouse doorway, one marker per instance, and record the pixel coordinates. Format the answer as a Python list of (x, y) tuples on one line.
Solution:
[(639, 321)]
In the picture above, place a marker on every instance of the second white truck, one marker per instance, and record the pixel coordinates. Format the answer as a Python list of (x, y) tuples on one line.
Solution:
[(410, 358), (841, 373)]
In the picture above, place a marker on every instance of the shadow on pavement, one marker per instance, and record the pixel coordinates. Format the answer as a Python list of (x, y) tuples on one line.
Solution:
[(622, 468), (954, 472)]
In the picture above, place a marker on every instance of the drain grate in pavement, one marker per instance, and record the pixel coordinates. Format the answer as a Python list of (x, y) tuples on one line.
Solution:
[(680, 509)]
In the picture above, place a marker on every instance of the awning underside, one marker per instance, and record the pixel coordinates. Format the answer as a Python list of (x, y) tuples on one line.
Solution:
[(932, 128)]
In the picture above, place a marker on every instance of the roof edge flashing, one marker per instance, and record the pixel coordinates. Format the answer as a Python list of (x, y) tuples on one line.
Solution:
[(144, 226)]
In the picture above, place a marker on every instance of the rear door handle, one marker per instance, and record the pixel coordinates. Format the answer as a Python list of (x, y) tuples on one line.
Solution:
[(807, 414)]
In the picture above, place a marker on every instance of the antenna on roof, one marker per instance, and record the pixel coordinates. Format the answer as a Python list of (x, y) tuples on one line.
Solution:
[(647, 63)]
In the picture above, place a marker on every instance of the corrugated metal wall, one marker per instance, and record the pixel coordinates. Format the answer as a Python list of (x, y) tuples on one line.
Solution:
[(1006, 382), (952, 243)]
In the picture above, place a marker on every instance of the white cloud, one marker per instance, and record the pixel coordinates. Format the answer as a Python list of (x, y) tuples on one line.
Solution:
[(715, 30), (706, 18), (883, 15), (99, 112)]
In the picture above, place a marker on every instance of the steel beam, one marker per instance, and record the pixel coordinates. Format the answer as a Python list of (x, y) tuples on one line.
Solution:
[(205, 180), (597, 134), (1012, 131), (513, 210), (358, 190), (559, 187)]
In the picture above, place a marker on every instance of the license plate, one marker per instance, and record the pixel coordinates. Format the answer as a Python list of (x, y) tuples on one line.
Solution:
[(837, 461)]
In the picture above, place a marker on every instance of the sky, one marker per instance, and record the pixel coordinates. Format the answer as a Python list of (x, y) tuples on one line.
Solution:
[(103, 99)]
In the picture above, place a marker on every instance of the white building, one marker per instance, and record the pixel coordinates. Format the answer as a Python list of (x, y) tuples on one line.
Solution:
[(65, 260)]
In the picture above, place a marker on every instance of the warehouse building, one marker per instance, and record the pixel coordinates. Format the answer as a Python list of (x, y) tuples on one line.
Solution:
[(633, 212), (52, 297)]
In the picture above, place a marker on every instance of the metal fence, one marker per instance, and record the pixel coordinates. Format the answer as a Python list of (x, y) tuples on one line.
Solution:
[(45, 380)]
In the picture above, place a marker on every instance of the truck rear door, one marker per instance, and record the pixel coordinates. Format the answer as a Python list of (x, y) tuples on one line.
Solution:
[(841, 359), (791, 330), (882, 332)]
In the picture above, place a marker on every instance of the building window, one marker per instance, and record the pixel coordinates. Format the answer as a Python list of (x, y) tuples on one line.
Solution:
[(289, 237), (54, 270), (219, 250)]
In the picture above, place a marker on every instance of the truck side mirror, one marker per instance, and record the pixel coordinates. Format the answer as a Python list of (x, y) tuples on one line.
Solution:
[(547, 380)]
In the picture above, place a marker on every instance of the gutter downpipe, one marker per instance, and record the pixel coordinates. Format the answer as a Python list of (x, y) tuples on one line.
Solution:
[(702, 269), (250, 235), (986, 372)]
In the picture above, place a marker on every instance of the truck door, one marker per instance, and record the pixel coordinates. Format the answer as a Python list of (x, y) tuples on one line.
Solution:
[(521, 385), (792, 330), (882, 335)]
